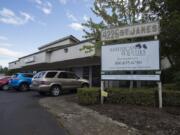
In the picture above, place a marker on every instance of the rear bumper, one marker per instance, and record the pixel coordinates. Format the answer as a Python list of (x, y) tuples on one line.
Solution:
[(43, 88)]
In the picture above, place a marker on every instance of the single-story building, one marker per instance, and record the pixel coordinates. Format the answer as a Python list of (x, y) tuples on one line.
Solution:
[(67, 53)]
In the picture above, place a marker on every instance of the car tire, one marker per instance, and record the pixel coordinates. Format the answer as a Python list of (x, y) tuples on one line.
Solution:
[(24, 87), (85, 85), (56, 90), (5, 87)]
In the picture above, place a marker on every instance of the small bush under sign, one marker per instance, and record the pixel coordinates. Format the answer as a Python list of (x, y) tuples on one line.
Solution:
[(171, 98), (88, 96), (144, 97), (140, 97)]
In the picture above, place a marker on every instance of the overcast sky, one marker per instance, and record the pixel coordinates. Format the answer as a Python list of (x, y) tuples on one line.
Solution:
[(27, 24)]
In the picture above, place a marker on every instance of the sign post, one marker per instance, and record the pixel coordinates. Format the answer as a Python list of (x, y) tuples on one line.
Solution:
[(160, 94), (130, 57), (102, 89)]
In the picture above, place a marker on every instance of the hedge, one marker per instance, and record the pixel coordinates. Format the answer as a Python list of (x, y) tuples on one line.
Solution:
[(88, 96), (141, 97), (171, 98), (177, 79), (171, 86)]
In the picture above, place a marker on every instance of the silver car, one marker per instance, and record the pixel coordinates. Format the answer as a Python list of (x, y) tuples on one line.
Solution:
[(55, 82)]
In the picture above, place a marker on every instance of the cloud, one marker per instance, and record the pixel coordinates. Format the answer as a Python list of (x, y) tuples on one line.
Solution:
[(6, 44), (7, 16), (44, 6), (63, 1), (3, 38), (76, 26), (10, 53), (71, 16)]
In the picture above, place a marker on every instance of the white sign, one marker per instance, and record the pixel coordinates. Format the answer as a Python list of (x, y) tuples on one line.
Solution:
[(131, 56), (139, 30), (131, 77), (29, 60)]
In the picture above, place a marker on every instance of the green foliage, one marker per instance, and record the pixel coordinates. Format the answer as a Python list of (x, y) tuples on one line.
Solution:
[(115, 13), (4, 70), (171, 98), (144, 97), (167, 75), (126, 12), (140, 97), (87, 48), (177, 80), (170, 87), (88, 96), (168, 12)]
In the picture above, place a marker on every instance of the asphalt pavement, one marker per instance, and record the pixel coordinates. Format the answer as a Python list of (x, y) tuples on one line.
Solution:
[(20, 114)]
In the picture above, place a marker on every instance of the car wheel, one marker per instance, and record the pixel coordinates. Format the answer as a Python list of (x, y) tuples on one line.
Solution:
[(85, 85), (24, 87), (56, 91), (5, 87)]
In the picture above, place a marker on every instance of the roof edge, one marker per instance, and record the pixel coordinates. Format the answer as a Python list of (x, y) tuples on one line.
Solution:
[(60, 40)]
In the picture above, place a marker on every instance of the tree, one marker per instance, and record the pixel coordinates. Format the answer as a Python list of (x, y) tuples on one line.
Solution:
[(169, 16), (126, 12), (117, 13), (4, 70)]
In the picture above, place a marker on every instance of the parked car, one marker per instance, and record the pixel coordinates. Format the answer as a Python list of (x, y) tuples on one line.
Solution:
[(21, 81), (4, 82), (55, 82)]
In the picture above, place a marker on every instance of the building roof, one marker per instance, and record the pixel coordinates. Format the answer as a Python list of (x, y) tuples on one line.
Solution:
[(71, 37), (55, 48)]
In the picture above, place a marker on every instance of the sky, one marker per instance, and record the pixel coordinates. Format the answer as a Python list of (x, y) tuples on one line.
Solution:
[(27, 24)]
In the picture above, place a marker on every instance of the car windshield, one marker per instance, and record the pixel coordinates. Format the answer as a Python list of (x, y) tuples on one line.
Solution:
[(39, 75), (15, 76)]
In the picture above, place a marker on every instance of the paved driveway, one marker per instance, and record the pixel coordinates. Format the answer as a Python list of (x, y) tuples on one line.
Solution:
[(20, 114)]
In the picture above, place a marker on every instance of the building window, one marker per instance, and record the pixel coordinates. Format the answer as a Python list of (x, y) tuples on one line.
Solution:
[(65, 50), (86, 73), (96, 76)]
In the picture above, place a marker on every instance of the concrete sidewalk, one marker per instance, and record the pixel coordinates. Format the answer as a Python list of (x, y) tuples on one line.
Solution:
[(80, 120)]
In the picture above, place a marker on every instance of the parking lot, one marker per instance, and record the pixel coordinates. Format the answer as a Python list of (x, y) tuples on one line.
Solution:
[(20, 114)]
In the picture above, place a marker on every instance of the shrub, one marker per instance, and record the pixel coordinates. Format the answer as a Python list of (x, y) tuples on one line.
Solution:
[(88, 96), (141, 96), (167, 75), (177, 80), (145, 97), (170, 86), (171, 98)]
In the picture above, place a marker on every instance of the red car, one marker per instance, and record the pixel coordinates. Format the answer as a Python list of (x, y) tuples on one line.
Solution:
[(4, 82)]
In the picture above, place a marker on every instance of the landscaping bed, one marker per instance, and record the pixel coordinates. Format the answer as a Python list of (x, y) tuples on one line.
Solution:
[(148, 120), (143, 115)]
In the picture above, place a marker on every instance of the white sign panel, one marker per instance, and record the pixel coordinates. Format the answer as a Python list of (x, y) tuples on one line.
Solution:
[(131, 56), (131, 77), (139, 30)]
